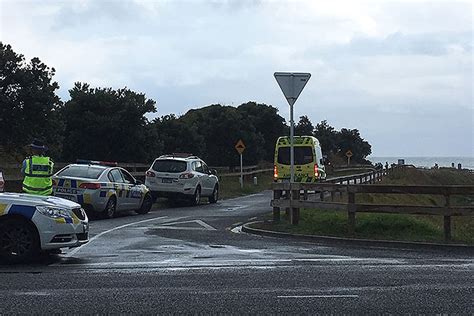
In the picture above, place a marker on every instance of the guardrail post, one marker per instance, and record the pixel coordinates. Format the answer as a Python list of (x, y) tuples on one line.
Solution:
[(276, 210), (447, 219), (351, 214), (295, 212)]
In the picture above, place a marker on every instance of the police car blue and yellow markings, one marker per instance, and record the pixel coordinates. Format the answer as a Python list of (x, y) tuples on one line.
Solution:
[(29, 211), (24, 210), (137, 194), (3, 208)]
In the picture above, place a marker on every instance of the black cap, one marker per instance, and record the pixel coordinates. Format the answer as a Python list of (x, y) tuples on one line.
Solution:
[(37, 144)]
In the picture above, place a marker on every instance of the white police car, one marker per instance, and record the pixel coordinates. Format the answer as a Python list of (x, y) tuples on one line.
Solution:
[(33, 223), (102, 188)]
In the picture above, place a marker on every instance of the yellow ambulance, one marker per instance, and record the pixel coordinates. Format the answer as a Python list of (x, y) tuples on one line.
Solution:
[(308, 160)]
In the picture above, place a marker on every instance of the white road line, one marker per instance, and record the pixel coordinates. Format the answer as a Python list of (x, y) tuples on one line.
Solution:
[(173, 225), (111, 230), (32, 293), (234, 208), (244, 197), (318, 296)]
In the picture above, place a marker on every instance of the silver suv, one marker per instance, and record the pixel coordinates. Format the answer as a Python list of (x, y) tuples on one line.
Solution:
[(177, 175)]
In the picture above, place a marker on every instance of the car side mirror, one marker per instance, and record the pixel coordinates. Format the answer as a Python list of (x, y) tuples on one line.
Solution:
[(213, 171)]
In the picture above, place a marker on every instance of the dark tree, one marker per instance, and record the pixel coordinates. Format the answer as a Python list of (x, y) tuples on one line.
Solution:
[(267, 123), (327, 136), (177, 137), (29, 107), (107, 124), (350, 139), (221, 127), (304, 127)]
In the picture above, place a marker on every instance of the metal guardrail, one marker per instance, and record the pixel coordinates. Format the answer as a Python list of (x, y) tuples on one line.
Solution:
[(295, 200)]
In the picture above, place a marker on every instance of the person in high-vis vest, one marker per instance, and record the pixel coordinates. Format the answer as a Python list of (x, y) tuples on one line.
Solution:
[(38, 170)]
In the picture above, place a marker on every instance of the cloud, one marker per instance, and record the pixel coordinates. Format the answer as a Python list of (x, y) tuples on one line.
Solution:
[(370, 60)]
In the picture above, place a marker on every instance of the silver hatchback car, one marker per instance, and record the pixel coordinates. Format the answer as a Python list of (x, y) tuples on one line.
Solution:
[(175, 176)]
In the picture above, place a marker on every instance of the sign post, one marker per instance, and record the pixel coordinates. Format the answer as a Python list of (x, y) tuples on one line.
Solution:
[(240, 147), (291, 84), (348, 155)]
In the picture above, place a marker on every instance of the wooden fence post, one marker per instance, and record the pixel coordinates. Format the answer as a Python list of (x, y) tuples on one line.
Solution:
[(295, 212), (276, 210), (447, 219), (351, 214)]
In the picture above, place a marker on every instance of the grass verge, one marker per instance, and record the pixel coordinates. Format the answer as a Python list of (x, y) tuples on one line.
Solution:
[(376, 226), (422, 228), (230, 185)]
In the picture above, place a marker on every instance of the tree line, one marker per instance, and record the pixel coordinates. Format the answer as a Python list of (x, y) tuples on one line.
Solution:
[(113, 125)]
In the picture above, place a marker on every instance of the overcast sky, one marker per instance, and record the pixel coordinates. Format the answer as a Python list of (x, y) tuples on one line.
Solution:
[(399, 71)]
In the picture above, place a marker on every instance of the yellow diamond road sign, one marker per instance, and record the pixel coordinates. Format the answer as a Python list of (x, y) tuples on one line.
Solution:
[(240, 147), (349, 153)]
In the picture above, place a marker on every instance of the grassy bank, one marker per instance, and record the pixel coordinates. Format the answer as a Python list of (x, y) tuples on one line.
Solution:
[(393, 226), (230, 185)]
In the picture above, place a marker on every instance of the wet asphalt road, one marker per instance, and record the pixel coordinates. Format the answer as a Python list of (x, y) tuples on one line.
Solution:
[(194, 260)]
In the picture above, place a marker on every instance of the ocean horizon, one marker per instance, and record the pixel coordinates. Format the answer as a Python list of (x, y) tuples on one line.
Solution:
[(427, 162)]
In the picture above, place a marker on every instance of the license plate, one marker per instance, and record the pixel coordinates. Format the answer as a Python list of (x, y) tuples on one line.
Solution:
[(167, 180), (67, 197)]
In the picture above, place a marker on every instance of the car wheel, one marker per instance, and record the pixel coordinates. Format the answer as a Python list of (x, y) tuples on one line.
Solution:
[(197, 196), (19, 241), (146, 204), (109, 211), (215, 195)]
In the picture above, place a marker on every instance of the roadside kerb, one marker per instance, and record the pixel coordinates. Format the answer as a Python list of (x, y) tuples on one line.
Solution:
[(331, 240)]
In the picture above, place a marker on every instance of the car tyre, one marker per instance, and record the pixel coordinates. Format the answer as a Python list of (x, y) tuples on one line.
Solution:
[(146, 204), (197, 196), (215, 195), (110, 208), (19, 241)]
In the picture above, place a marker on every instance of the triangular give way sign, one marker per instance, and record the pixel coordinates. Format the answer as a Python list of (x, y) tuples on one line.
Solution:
[(291, 84)]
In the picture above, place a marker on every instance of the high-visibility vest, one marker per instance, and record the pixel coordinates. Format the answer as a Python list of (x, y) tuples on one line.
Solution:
[(38, 174)]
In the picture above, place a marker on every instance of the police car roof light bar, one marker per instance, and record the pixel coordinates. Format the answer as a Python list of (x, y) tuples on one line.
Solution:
[(96, 162)]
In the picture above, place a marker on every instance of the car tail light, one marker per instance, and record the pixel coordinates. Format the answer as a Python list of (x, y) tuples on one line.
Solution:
[(54, 182), (186, 175), (316, 171), (150, 174), (275, 172), (92, 186)]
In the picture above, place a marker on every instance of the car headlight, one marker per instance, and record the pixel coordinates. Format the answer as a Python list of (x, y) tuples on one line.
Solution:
[(53, 212)]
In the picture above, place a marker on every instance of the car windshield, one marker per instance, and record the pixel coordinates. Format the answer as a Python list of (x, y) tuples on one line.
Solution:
[(303, 155), (89, 172), (173, 166)]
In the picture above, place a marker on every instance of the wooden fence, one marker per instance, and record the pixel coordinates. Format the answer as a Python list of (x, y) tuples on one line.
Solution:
[(296, 197)]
